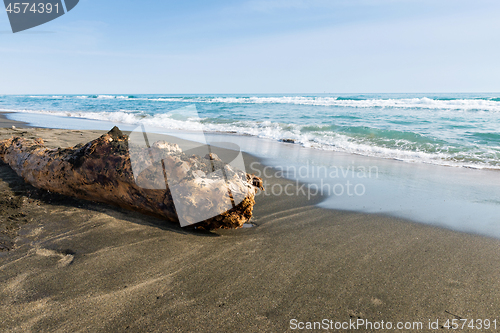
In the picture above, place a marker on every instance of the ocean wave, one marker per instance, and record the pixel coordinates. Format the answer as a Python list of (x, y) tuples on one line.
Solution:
[(354, 102), (403, 146), (111, 97), (437, 103), (103, 97), (45, 96)]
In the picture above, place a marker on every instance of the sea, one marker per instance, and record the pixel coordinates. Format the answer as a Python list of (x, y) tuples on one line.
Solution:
[(434, 158), (459, 130)]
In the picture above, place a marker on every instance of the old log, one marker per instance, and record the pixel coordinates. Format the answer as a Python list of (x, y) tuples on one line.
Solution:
[(159, 180)]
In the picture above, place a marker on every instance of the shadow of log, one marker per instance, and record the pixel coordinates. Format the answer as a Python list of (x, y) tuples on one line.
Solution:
[(19, 189)]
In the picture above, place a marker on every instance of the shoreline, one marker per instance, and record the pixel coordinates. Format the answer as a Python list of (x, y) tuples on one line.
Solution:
[(96, 266), (418, 192), (449, 164), (5, 122)]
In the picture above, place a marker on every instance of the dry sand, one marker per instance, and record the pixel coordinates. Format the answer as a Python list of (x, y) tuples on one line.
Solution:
[(75, 266)]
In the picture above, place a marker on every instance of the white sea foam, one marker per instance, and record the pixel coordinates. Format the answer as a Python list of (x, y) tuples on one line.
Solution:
[(419, 103), (414, 103), (46, 97), (106, 96)]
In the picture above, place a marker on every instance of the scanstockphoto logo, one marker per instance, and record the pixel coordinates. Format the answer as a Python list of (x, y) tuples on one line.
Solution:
[(161, 165), (25, 15)]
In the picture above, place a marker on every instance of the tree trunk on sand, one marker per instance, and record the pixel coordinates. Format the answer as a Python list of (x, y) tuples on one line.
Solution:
[(166, 183)]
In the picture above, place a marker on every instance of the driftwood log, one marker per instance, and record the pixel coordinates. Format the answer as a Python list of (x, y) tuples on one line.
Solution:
[(189, 190)]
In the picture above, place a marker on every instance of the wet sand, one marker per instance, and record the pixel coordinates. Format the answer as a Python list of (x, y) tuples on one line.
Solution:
[(75, 266), (7, 123)]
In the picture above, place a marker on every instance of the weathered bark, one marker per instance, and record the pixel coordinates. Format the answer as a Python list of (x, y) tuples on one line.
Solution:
[(102, 171)]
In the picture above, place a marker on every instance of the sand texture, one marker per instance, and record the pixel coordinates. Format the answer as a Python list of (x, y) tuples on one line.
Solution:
[(68, 265)]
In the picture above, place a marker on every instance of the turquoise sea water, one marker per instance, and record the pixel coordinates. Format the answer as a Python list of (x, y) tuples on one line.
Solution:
[(446, 129)]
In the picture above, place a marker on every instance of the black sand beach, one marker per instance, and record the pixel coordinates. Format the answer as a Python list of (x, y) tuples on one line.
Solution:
[(68, 265)]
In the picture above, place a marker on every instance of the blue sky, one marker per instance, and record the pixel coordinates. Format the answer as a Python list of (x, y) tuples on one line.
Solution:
[(275, 46)]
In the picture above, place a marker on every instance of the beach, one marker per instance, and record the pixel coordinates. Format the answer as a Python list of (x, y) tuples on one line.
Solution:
[(75, 266)]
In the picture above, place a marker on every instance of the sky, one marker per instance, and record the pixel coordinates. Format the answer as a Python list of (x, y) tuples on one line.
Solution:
[(256, 46)]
